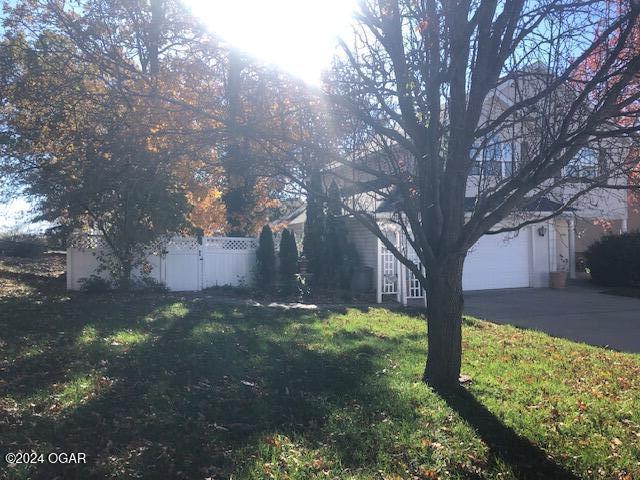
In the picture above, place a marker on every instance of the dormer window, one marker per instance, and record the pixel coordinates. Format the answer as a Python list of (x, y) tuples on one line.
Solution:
[(584, 165)]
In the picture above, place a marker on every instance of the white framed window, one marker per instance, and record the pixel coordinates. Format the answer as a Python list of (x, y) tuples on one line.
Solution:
[(584, 165), (496, 160)]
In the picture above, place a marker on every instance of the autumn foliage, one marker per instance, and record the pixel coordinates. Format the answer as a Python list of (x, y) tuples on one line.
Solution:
[(112, 82), (628, 95)]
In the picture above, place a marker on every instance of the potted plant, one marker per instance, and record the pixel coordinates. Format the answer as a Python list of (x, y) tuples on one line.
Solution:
[(558, 279)]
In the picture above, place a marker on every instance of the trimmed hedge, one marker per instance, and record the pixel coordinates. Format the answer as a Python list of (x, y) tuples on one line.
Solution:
[(288, 262), (614, 260), (266, 260)]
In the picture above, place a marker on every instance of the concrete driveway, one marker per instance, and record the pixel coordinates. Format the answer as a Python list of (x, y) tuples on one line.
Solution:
[(579, 313)]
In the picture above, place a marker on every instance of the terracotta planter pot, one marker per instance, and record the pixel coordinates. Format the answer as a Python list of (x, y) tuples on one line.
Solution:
[(558, 279)]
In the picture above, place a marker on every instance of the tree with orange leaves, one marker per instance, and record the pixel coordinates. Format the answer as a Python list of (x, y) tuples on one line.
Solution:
[(627, 96), (153, 60)]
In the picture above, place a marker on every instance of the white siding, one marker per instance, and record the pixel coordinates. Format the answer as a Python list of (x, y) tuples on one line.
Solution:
[(540, 256), (365, 242)]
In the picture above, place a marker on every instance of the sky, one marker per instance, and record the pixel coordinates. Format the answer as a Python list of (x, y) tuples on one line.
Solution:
[(298, 36), (16, 216)]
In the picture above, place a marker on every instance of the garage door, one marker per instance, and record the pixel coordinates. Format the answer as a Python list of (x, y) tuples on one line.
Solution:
[(498, 261)]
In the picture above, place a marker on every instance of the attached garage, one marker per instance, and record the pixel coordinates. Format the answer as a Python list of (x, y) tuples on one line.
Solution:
[(498, 261)]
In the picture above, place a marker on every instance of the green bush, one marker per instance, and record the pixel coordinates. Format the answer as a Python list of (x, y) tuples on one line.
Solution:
[(229, 290), (266, 260), (614, 260), (288, 262), (314, 231), (149, 284), (341, 256), (95, 284)]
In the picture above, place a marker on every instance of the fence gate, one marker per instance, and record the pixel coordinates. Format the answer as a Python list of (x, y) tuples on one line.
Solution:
[(182, 265)]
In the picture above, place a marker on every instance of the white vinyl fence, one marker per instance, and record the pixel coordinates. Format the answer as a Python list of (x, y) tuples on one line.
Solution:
[(184, 265)]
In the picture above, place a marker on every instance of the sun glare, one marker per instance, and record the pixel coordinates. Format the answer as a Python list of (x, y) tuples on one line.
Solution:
[(299, 36)]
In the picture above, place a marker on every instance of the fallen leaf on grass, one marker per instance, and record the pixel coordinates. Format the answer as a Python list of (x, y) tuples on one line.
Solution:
[(428, 443), (273, 441), (428, 473)]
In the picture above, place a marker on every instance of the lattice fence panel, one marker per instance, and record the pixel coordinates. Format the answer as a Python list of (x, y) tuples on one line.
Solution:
[(389, 272), (230, 243), (414, 289)]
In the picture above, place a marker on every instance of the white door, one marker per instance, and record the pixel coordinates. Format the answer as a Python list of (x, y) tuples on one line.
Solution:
[(498, 261)]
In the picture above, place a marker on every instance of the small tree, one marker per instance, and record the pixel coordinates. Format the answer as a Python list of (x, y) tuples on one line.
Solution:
[(314, 228), (336, 269), (439, 89), (95, 163), (294, 248), (288, 261), (351, 262), (266, 260)]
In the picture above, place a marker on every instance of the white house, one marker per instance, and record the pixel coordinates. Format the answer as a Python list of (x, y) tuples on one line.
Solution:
[(508, 260), (498, 261)]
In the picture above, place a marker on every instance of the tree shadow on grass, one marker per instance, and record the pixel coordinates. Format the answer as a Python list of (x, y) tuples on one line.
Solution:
[(196, 399), (46, 341), (189, 400), (526, 459)]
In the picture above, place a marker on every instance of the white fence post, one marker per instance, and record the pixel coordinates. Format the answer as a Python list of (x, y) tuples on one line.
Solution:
[(379, 276), (70, 270)]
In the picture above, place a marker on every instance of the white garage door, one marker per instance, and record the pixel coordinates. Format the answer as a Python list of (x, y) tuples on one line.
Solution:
[(498, 261)]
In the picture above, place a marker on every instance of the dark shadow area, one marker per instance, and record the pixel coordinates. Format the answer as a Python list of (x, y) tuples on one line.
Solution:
[(40, 283), (181, 406), (633, 292), (52, 339), (43, 274), (526, 458)]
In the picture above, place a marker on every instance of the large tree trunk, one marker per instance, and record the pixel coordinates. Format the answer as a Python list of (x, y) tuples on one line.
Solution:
[(239, 198), (444, 313), (125, 277)]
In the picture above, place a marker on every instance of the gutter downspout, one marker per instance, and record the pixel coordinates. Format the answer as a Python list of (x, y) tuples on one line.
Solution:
[(572, 247)]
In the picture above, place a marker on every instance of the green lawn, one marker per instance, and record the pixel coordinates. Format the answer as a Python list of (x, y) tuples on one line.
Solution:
[(160, 386)]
